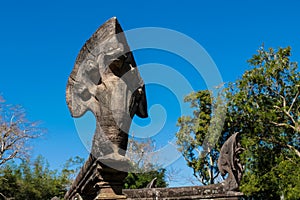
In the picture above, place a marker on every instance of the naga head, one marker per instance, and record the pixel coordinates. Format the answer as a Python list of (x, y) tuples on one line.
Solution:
[(105, 78)]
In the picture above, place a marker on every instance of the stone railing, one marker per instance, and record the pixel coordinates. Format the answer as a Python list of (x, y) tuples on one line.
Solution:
[(215, 191)]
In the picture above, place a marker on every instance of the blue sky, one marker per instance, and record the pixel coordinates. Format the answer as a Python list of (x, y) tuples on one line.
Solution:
[(39, 42)]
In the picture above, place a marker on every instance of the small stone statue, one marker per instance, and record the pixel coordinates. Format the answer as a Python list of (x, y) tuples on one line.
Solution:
[(105, 80), (152, 183), (229, 163)]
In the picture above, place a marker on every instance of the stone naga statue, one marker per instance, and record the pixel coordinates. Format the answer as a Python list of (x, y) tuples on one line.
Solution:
[(229, 163), (105, 80)]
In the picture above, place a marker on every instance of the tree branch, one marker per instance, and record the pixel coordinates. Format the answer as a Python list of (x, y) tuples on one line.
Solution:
[(2, 195), (284, 124), (285, 145), (293, 102), (287, 113), (294, 149)]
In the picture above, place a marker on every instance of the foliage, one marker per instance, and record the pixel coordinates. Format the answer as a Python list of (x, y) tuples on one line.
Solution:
[(70, 170), (141, 180), (198, 135), (15, 132), (35, 180), (144, 169), (264, 107)]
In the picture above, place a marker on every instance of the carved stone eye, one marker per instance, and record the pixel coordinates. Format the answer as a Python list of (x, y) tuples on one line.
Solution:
[(85, 95), (94, 75)]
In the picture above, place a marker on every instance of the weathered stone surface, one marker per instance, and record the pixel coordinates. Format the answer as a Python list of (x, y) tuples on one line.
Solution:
[(229, 163), (215, 191), (98, 180), (105, 81)]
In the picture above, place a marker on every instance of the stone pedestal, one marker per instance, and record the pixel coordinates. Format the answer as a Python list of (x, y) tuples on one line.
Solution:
[(98, 179), (110, 187)]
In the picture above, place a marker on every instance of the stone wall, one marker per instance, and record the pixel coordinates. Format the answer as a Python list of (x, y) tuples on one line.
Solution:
[(183, 193)]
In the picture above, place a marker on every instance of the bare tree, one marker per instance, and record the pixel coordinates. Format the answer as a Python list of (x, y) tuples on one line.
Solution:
[(15, 132), (140, 154)]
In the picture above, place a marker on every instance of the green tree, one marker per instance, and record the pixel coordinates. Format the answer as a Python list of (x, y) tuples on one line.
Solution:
[(9, 176), (35, 180), (198, 135), (70, 170), (264, 106), (142, 180)]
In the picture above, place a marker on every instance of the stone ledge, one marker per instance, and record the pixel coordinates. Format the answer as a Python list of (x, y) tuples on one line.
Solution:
[(215, 191)]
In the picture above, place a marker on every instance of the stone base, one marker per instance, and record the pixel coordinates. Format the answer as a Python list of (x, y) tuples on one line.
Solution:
[(97, 180), (109, 195), (110, 191)]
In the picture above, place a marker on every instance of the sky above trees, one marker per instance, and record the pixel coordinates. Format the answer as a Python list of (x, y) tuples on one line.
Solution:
[(40, 41)]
